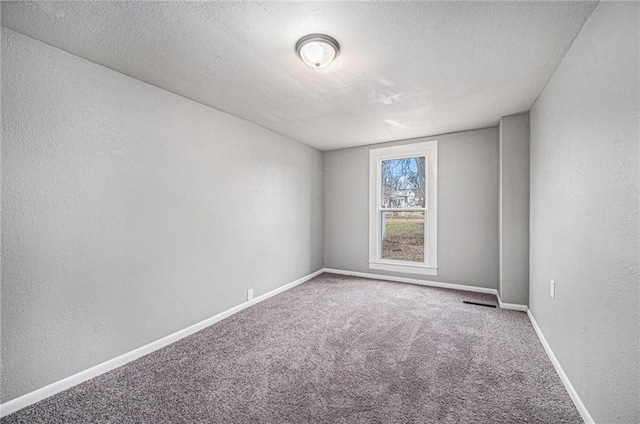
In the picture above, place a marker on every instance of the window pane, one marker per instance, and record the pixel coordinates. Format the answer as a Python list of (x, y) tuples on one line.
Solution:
[(403, 183), (403, 236)]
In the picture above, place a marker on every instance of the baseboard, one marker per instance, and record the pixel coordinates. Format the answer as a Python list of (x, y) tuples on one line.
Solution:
[(511, 306), (68, 382), (586, 417), (412, 281)]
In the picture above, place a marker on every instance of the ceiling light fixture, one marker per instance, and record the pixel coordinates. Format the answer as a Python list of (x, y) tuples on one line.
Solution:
[(317, 50)]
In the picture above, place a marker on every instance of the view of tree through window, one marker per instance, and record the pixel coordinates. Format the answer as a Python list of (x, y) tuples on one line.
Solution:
[(403, 201), (403, 183)]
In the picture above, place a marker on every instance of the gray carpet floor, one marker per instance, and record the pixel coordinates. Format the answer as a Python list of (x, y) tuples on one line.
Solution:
[(336, 349)]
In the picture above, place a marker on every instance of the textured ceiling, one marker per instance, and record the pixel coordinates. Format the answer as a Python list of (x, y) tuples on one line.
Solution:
[(406, 69)]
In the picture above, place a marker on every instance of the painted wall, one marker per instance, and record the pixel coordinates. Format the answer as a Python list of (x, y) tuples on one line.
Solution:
[(130, 213), (467, 208), (585, 213), (513, 284)]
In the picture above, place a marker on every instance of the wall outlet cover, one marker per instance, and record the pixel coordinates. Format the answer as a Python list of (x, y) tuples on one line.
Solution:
[(553, 289), (249, 294)]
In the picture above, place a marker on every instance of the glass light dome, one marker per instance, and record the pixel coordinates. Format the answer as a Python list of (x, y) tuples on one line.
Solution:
[(317, 50)]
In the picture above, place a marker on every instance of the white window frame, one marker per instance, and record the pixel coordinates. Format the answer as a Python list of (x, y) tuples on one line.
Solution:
[(428, 150)]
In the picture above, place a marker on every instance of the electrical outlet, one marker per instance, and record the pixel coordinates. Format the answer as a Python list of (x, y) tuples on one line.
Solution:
[(553, 289), (249, 294)]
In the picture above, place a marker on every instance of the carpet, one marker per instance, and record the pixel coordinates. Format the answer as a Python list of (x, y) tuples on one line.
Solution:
[(336, 349)]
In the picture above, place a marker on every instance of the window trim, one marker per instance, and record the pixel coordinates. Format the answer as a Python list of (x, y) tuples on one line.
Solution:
[(428, 149)]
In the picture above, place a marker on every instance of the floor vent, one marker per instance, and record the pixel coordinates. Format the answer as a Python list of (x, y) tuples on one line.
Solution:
[(479, 304)]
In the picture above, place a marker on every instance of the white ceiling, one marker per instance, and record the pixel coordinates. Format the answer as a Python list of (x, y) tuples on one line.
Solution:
[(406, 69)]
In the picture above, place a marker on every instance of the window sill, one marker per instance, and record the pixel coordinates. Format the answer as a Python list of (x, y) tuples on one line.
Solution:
[(403, 267)]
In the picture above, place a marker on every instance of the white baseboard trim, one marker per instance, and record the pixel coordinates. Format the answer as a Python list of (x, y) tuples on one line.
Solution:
[(511, 306), (584, 413), (75, 379), (412, 281)]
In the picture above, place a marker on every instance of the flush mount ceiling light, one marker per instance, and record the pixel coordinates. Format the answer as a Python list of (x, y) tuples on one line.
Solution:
[(317, 50)]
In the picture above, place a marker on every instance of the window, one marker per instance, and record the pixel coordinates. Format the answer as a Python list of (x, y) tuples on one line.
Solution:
[(403, 208)]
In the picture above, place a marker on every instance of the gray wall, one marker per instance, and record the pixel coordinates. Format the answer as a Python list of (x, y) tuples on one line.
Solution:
[(130, 213), (513, 285), (585, 213), (467, 208)]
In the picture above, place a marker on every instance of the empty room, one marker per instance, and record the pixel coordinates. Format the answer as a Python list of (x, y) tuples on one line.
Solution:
[(320, 212)]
